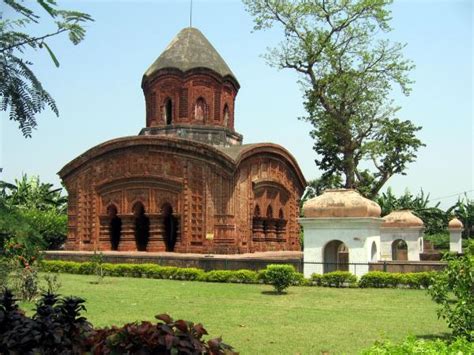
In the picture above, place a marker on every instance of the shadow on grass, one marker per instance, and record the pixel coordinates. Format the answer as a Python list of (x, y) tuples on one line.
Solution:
[(274, 293), (442, 336)]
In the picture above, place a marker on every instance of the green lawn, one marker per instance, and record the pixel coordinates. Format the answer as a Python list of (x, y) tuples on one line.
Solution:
[(306, 320)]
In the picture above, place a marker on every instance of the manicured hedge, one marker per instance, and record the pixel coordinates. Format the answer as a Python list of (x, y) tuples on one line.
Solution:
[(379, 279), (375, 279)]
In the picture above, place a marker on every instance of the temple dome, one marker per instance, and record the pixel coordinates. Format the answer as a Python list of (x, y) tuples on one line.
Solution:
[(455, 224), (190, 49), (340, 203), (402, 219)]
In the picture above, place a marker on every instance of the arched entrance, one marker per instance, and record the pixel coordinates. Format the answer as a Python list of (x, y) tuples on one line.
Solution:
[(170, 225), (336, 256), (115, 227), (168, 111), (142, 226), (399, 250)]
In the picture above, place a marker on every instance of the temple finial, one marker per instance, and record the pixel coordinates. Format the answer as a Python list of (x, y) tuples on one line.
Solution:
[(191, 14)]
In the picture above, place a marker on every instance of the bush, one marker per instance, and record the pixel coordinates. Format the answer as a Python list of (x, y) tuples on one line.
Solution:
[(50, 224), (316, 279), (439, 241), (338, 279), (166, 337), (57, 327), (453, 290), (280, 276), (420, 346), (379, 279)]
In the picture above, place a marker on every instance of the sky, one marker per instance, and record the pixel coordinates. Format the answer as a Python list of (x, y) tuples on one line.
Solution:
[(97, 87)]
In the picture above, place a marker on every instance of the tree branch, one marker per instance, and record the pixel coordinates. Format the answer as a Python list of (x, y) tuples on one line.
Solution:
[(33, 40)]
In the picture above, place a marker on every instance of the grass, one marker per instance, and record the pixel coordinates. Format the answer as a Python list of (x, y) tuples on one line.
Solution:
[(306, 320)]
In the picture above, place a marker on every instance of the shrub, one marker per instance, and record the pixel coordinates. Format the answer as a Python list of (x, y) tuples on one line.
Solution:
[(338, 279), (421, 346), (280, 276), (217, 276), (165, 337), (316, 279), (453, 290), (379, 279), (190, 274), (57, 327)]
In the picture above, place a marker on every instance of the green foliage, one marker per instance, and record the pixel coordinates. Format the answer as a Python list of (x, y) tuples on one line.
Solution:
[(50, 224), (413, 345), (280, 276), (35, 210), (58, 327), (165, 337), (53, 283), (453, 290), (338, 279), (316, 279), (347, 71), (21, 93), (464, 210), (379, 279), (439, 241), (97, 261)]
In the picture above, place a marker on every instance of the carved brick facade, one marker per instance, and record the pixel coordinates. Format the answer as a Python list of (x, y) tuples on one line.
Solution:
[(186, 183)]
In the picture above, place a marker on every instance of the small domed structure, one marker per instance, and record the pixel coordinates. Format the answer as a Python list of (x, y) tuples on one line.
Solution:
[(455, 224), (402, 219), (341, 203), (401, 236)]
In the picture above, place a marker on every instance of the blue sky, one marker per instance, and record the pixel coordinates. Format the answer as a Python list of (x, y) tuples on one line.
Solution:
[(97, 87)]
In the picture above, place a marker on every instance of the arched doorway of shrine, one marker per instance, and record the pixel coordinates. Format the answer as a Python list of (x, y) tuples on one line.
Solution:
[(336, 256), (115, 227), (170, 225), (142, 226), (399, 250)]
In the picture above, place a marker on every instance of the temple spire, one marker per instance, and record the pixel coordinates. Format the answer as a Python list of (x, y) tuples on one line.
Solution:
[(191, 14)]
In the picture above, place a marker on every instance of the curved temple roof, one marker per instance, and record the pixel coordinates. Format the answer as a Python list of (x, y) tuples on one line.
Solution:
[(188, 50)]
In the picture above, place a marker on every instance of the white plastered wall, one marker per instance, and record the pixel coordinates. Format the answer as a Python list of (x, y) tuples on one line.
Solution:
[(412, 236), (455, 240), (358, 234)]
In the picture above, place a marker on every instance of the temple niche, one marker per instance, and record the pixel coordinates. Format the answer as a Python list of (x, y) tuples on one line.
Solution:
[(186, 183)]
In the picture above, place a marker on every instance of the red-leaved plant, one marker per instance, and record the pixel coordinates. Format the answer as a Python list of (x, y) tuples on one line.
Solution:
[(165, 337)]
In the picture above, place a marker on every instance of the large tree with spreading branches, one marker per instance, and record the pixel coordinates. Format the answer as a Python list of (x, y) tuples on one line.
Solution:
[(21, 93), (347, 70)]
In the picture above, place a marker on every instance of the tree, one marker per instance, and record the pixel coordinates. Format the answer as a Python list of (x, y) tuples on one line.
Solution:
[(347, 72), (21, 93)]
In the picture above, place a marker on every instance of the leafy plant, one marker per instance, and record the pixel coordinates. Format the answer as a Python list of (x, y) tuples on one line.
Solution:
[(21, 93), (338, 279), (56, 327), (97, 262), (165, 337), (53, 284), (280, 276), (453, 290), (420, 346)]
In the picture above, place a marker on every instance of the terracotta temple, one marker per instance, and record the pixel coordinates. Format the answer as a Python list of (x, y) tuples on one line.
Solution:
[(186, 183)]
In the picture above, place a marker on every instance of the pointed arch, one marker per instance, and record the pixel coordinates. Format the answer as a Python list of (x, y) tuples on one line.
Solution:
[(201, 111), (115, 226), (141, 226), (226, 115), (168, 111)]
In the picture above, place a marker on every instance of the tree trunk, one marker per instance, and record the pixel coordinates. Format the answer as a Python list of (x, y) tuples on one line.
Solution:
[(349, 169)]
